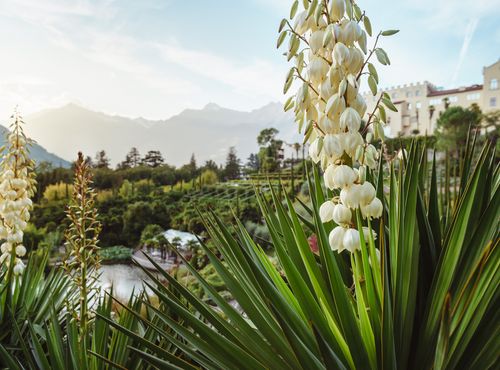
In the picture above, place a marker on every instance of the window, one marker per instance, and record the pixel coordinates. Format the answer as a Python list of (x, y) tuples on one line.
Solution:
[(453, 99), (418, 105), (435, 101), (493, 84), (473, 96), (409, 106), (493, 102), (417, 92), (408, 94)]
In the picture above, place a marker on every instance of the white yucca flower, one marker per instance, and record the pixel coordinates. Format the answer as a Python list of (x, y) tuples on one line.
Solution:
[(17, 185), (330, 65)]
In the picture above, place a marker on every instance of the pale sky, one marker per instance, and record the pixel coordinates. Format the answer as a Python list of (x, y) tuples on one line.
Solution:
[(154, 58)]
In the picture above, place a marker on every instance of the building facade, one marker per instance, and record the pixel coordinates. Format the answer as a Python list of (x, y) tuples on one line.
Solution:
[(420, 104)]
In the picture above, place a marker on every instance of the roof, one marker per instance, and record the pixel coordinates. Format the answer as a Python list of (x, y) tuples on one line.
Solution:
[(454, 91)]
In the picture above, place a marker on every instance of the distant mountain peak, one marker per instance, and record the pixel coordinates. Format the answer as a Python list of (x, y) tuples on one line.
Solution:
[(212, 107)]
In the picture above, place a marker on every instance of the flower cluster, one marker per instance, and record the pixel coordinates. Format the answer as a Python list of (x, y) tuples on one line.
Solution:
[(329, 103), (17, 186)]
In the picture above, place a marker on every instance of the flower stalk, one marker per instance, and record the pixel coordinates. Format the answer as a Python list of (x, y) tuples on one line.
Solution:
[(82, 236), (17, 186), (328, 103)]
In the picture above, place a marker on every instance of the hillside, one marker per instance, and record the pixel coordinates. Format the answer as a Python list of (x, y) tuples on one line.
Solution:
[(207, 132), (38, 153)]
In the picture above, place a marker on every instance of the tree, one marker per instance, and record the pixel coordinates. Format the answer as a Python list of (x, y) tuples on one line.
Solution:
[(267, 136), (453, 126), (132, 159), (270, 150), (101, 159), (153, 158), (208, 177), (211, 165), (232, 168), (252, 163)]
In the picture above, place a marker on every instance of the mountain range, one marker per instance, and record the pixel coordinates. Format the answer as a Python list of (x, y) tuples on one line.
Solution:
[(38, 153), (207, 132)]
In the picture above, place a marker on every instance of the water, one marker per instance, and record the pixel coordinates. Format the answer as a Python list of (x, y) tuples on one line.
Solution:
[(123, 279)]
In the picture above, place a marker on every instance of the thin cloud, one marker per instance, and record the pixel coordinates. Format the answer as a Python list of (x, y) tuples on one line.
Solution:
[(469, 33)]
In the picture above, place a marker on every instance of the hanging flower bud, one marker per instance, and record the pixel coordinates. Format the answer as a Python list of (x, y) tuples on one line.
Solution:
[(301, 23), (332, 146), (373, 209), (366, 233), (328, 176), (316, 41), (366, 193), (318, 69), (342, 215), (337, 10), (351, 240), (326, 211), (314, 151), (340, 53), (350, 196), (21, 250), (350, 120), (343, 176), (336, 239), (359, 104)]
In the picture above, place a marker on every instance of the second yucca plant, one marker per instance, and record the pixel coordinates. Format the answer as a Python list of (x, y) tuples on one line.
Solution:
[(82, 261)]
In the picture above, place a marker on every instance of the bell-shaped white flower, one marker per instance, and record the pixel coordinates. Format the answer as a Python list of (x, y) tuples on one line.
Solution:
[(350, 119), (314, 151), (351, 142), (318, 68), (337, 10), (350, 196), (342, 215), (366, 193), (373, 209), (326, 211), (359, 104), (332, 146), (21, 250), (335, 106), (316, 41), (328, 176), (343, 176), (336, 239), (18, 268), (366, 233), (301, 23), (340, 53), (351, 240)]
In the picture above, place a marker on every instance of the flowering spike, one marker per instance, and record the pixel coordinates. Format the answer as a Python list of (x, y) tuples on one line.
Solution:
[(331, 65), (17, 186)]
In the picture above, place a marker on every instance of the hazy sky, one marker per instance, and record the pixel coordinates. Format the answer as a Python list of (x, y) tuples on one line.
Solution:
[(154, 58)]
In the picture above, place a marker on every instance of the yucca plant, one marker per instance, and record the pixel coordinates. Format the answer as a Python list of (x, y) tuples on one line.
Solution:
[(57, 345), (404, 278), (430, 301), (27, 294)]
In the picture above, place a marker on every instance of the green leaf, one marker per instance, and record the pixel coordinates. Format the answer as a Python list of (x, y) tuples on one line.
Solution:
[(383, 115), (281, 38), (368, 25), (382, 56), (373, 85), (373, 71), (293, 9), (282, 24), (389, 32), (388, 103)]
